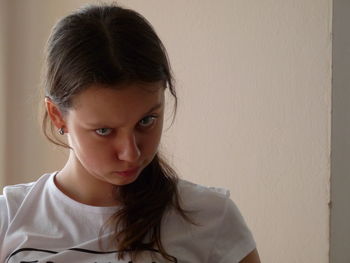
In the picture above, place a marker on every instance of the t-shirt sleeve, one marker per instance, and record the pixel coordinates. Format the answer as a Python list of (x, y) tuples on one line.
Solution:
[(233, 240), (3, 218)]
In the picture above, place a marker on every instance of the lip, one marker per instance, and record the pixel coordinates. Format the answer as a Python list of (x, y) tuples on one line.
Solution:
[(129, 172)]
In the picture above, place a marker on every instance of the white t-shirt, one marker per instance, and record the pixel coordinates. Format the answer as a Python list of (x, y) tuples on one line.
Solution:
[(38, 223)]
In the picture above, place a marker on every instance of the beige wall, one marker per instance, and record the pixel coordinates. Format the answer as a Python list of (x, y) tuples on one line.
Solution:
[(3, 79), (27, 153), (254, 82)]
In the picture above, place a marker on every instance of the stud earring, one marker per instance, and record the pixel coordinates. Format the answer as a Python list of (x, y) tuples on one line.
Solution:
[(61, 131)]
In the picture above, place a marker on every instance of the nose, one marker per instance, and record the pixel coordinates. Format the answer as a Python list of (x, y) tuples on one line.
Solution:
[(127, 148)]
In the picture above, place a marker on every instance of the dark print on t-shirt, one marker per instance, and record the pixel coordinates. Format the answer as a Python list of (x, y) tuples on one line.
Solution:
[(33, 255)]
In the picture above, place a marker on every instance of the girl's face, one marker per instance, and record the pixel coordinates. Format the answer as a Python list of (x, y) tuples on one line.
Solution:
[(115, 133)]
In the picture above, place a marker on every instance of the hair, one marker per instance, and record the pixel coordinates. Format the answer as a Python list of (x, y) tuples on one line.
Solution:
[(111, 45)]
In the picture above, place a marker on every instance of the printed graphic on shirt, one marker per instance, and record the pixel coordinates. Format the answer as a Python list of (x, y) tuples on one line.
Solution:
[(33, 255)]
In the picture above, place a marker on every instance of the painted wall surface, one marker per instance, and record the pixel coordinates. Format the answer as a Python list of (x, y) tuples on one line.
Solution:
[(340, 183), (28, 155), (254, 87), (3, 78)]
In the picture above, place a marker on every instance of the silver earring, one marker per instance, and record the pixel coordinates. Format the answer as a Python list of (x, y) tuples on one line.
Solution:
[(61, 131)]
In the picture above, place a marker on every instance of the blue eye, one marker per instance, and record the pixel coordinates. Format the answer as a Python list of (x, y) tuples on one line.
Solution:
[(147, 121), (103, 131)]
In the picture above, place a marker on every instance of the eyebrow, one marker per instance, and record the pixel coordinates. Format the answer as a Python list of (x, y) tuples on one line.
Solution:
[(155, 107)]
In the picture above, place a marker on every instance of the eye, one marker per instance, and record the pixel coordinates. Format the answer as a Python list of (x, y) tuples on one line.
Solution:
[(103, 131), (147, 121)]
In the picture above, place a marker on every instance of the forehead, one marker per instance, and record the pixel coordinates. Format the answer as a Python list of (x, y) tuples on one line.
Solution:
[(119, 103), (118, 93)]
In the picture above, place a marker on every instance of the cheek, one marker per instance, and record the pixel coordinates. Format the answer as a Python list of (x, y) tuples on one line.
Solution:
[(151, 142), (87, 150)]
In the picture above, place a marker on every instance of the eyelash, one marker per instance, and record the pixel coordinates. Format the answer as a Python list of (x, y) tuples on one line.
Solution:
[(153, 117), (97, 131)]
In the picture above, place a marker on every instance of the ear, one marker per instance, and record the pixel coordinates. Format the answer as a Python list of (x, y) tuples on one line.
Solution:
[(55, 114)]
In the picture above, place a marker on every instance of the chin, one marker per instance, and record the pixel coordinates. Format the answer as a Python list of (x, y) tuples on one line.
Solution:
[(123, 179)]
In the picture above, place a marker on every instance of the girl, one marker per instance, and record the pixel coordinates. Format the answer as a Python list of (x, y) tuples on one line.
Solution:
[(116, 199)]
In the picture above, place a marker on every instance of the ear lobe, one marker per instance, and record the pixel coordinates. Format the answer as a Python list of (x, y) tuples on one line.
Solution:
[(54, 114)]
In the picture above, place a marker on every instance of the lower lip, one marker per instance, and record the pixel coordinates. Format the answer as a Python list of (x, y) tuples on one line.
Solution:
[(128, 173)]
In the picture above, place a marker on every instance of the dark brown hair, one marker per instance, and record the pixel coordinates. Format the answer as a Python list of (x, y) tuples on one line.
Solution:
[(111, 45)]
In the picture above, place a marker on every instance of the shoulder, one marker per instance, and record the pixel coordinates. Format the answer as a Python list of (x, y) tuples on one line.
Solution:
[(219, 220), (209, 202), (190, 187), (13, 197), (10, 201), (14, 194), (202, 198)]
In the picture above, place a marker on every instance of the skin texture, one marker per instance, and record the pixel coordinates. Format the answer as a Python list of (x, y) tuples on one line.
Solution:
[(109, 131)]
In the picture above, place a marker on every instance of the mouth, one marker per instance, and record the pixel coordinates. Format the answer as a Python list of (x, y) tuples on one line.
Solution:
[(129, 172)]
